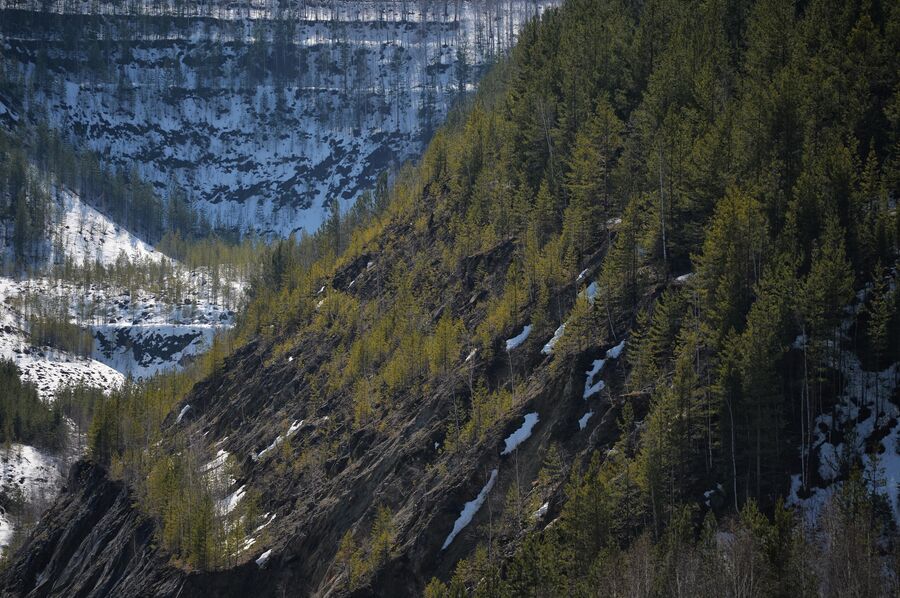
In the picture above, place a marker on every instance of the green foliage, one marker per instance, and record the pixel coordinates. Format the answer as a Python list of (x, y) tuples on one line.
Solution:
[(24, 417), (730, 264), (653, 342), (829, 285), (358, 560), (754, 155), (486, 409), (444, 346)]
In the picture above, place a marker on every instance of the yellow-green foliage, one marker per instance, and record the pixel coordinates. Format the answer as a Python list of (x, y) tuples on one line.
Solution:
[(444, 346), (584, 327), (370, 348), (407, 362), (364, 402), (487, 408), (184, 500), (338, 312), (502, 314), (359, 559)]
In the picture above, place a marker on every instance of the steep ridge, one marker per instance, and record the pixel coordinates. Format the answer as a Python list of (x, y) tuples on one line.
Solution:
[(416, 407), (315, 508)]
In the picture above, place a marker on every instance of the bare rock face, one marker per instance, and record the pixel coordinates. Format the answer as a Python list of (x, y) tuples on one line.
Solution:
[(87, 543), (94, 543), (334, 475)]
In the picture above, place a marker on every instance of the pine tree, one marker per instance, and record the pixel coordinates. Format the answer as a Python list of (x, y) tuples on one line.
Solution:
[(22, 235), (382, 538), (444, 346), (763, 345)]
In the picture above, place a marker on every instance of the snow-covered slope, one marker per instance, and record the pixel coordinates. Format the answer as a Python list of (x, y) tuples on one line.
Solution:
[(85, 235), (79, 233), (28, 475), (137, 336), (262, 122), (47, 368), (133, 336)]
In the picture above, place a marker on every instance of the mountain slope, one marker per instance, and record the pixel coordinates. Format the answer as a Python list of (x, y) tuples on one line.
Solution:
[(637, 198)]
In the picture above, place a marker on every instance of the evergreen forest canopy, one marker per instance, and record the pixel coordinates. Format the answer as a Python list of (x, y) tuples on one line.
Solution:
[(737, 164), (727, 173)]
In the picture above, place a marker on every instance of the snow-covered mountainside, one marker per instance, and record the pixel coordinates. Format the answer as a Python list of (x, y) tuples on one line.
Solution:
[(261, 123), (79, 233), (135, 336), (29, 476), (135, 332)]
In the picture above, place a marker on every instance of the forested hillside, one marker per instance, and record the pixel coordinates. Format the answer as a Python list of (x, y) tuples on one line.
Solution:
[(630, 327)]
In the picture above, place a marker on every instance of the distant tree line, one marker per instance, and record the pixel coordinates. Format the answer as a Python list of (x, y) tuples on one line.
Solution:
[(24, 417)]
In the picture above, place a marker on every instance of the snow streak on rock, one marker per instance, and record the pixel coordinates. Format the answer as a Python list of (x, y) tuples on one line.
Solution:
[(522, 434), (469, 510), (520, 338)]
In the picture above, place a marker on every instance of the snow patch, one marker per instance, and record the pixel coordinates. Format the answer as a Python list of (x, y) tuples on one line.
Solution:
[(590, 293), (182, 413), (615, 351), (582, 423), (707, 496), (294, 427), (470, 509), (522, 434), (518, 339), (279, 439), (590, 387), (548, 348), (593, 389), (230, 502), (263, 558), (217, 462), (829, 466)]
